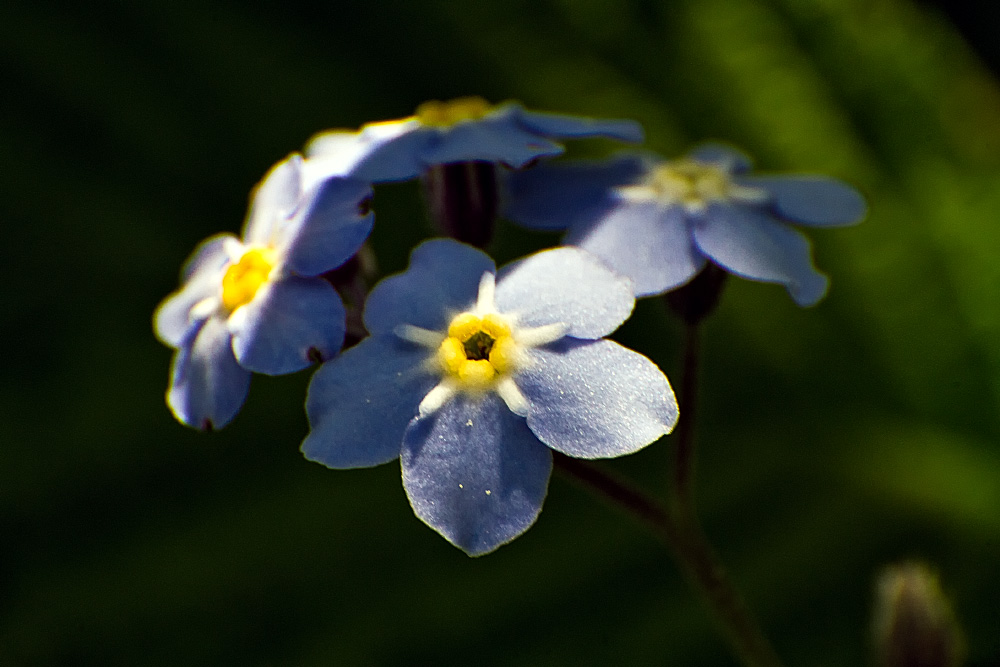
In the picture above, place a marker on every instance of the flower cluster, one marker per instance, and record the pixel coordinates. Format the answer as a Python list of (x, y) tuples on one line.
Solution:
[(472, 377)]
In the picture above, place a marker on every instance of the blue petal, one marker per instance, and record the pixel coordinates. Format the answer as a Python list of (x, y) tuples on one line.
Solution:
[(645, 241), (443, 280), (596, 399), (754, 245), (568, 286), (207, 386), (556, 195), (730, 159), (494, 138), (332, 228), (360, 403), (560, 126), (475, 473), (287, 325), (379, 152), (812, 200), (274, 201), (202, 274)]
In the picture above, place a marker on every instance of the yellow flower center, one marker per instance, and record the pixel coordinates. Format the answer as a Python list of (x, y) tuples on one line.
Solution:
[(446, 114), (690, 183), (244, 278), (477, 351)]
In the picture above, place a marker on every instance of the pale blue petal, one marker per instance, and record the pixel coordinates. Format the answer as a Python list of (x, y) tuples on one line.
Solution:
[(202, 275), (210, 255), (645, 241), (567, 286), (274, 201), (475, 473), (494, 138), (330, 230), (560, 126), (379, 152), (287, 325), (207, 386), (753, 245), (811, 200), (727, 157), (442, 280), (556, 195), (596, 399), (360, 403)]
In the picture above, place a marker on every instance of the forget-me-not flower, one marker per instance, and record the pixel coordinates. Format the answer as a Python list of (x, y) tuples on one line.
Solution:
[(473, 377), (658, 222), (461, 130), (257, 304)]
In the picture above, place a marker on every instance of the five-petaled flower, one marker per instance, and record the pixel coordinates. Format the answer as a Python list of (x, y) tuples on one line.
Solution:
[(258, 304), (467, 129), (659, 222), (473, 377)]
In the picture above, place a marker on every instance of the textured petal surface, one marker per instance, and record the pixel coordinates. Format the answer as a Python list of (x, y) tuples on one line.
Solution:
[(495, 138), (596, 399), (287, 324), (379, 152), (556, 195), (442, 280), (812, 200), (475, 473), (645, 241), (734, 161), (332, 228), (274, 201), (754, 245), (202, 274), (568, 286), (360, 403), (207, 386), (559, 126)]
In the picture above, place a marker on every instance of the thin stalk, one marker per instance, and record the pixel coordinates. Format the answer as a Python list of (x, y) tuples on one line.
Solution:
[(695, 554), (678, 526)]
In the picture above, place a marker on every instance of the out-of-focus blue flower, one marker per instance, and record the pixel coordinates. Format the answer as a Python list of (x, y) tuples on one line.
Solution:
[(462, 130), (472, 378), (257, 303), (658, 222)]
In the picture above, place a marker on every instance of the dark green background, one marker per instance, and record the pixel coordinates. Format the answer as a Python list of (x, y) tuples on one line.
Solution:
[(834, 440)]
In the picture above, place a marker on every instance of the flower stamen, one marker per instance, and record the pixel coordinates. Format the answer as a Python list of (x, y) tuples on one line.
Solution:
[(477, 351), (445, 114), (243, 278), (691, 184)]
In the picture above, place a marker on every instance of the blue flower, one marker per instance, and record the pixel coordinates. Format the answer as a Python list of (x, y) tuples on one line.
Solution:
[(462, 130), (659, 222), (257, 303), (473, 377)]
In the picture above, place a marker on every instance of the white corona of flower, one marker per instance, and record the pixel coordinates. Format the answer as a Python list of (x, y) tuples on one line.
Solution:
[(691, 184), (482, 350)]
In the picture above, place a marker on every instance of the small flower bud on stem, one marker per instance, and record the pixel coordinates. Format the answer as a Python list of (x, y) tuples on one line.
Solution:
[(913, 622)]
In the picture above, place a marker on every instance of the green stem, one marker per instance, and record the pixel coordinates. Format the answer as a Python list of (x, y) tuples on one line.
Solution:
[(695, 554), (679, 527)]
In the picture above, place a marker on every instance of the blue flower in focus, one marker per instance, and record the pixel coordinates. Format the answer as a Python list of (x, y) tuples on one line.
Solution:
[(462, 130), (658, 222), (473, 377), (257, 304)]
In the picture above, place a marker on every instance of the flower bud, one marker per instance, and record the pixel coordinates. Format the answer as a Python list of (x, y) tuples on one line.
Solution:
[(463, 201), (914, 625)]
